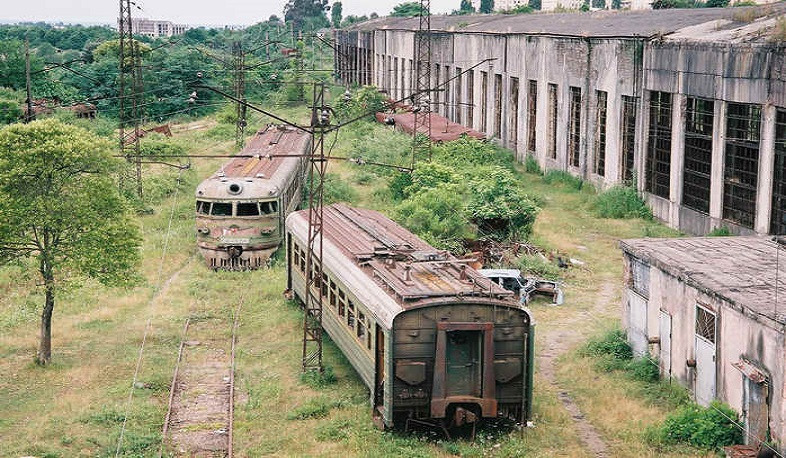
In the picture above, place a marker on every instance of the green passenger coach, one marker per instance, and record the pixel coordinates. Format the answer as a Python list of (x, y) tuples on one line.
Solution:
[(434, 341)]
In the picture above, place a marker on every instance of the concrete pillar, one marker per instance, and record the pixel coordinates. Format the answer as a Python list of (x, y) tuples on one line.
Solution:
[(718, 159), (678, 102), (766, 169)]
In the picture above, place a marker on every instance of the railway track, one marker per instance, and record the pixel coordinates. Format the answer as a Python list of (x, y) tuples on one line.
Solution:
[(199, 419)]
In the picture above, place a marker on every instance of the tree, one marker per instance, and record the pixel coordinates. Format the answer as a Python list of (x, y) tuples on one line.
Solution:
[(373, 15), (466, 7), (335, 14), (59, 205), (12, 64), (486, 6), (10, 105), (303, 12), (407, 9)]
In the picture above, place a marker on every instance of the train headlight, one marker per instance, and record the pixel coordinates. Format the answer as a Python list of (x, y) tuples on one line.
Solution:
[(203, 230), (267, 230)]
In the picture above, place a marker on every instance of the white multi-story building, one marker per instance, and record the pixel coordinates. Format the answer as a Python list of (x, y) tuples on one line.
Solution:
[(156, 29)]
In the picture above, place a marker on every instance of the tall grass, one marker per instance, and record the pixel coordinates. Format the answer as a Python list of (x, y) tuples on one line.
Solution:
[(621, 202)]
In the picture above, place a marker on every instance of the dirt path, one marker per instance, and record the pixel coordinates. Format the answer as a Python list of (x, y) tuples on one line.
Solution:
[(556, 340), (199, 423)]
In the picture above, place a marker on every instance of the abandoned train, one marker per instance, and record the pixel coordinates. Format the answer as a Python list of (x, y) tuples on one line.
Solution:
[(240, 210), (434, 341)]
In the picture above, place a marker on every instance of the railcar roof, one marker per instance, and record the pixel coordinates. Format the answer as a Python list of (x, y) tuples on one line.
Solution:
[(398, 263), (743, 271), (262, 175), (597, 24)]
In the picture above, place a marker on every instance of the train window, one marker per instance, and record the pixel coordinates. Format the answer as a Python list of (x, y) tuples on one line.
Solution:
[(203, 207), (303, 261), (247, 209), (361, 329), (351, 315), (221, 209), (341, 307), (324, 284), (333, 298), (295, 254), (368, 335), (268, 208)]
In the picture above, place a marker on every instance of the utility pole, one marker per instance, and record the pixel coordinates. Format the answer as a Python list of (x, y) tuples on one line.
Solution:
[(240, 92), (312, 318), (130, 67), (421, 102), (29, 116)]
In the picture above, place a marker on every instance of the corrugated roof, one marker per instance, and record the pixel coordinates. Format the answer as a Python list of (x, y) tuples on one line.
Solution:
[(397, 264), (268, 142), (600, 24), (740, 270)]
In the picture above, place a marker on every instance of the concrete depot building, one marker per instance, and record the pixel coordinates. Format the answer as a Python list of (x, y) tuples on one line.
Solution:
[(688, 105), (709, 310)]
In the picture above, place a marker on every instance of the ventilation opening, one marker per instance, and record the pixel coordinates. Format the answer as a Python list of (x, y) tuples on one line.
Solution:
[(235, 188)]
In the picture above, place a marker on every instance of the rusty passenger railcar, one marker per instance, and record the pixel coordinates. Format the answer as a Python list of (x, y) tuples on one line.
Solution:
[(432, 339), (241, 209)]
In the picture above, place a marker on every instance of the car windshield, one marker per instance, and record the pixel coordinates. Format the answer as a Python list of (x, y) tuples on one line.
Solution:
[(221, 209), (247, 209)]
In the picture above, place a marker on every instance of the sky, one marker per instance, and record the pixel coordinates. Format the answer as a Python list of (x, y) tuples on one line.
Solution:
[(201, 12)]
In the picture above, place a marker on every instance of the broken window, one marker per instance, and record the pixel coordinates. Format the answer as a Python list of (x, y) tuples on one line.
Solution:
[(436, 94), (295, 254), (484, 90), (470, 98), (497, 105), (351, 314), (532, 114), (203, 207), (247, 209), (628, 128), (394, 79), (402, 91), (659, 145), (324, 285), (513, 124), (640, 277), (778, 217), (740, 176), (552, 120), (699, 116), (448, 106), (342, 303), (599, 165), (361, 327), (705, 324), (221, 209), (303, 260), (412, 76), (269, 207), (458, 103), (574, 128)]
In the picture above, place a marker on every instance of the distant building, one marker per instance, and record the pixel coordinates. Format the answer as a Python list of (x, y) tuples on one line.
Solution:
[(157, 29), (708, 311)]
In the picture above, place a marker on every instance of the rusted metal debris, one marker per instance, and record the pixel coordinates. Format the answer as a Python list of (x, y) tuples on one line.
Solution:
[(442, 128), (525, 287)]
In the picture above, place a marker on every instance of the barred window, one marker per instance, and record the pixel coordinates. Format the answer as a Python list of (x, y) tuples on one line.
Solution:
[(532, 114), (600, 134), (513, 124), (740, 177), (640, 277), (778, 217), (498, 105), (705, 324), (659, 145), (699, 117), (470, 98), (629, 105), (574, 126), (484, 90), (552, 120)]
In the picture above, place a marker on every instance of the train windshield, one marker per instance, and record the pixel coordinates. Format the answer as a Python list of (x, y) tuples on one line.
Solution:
[(269, 208), (203, 207), (221, 209), (247, 209)]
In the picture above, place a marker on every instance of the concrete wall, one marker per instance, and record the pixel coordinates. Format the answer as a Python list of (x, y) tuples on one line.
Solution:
[(740, 334), (744, 73)]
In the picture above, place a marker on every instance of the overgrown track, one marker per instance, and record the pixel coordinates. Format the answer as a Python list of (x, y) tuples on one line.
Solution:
[(199, 419)]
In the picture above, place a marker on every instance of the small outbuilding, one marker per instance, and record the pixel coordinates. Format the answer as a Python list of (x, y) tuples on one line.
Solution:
[(712, 311)]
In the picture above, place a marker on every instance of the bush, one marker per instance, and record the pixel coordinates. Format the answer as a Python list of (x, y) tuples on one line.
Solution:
[(531, 166), (621, 202), (643, 369), (428, 175), (400, 182), (721, 231), (437, 215), (313, 408), (468, 152), (227, 114), (498, 206), (563, 178), (317, 380), (366, 100), (709, 428), (336, 189), (158, 145), (539, 267), (612, 344)]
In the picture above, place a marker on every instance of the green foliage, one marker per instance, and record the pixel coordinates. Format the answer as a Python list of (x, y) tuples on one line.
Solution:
[(621, 202), (536, 4), (407, 9), (227, 115), (12, 64), (563, 178), (643, 369), (366, 100), (313, 408), (720, 231), (464, 8), (531, 166), (498, 206), (429, 175), (399, 185), (539, 267), (613, 344), (111, 48), (467, 152), (336, 189), (437, 215), (319, 380), (486, 6), (10, 105), (306, 14), (708, 428), (716, 3), (154, 144), (336, 14), (669, 4), (519, 9)]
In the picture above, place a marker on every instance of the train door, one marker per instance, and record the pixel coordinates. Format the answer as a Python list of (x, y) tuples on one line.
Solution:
[(464, 367), (379, 383)]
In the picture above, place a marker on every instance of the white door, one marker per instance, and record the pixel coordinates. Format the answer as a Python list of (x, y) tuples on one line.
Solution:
[(664, 332), (705, 355), (637, 333)]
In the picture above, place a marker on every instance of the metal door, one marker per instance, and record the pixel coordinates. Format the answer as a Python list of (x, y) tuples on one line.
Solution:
[(755, 411), (664, 332), (463, 375), (637, 334), (705, 371)]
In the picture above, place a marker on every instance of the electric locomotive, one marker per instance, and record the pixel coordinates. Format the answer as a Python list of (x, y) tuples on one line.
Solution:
[(241, 209), (435, 341)]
